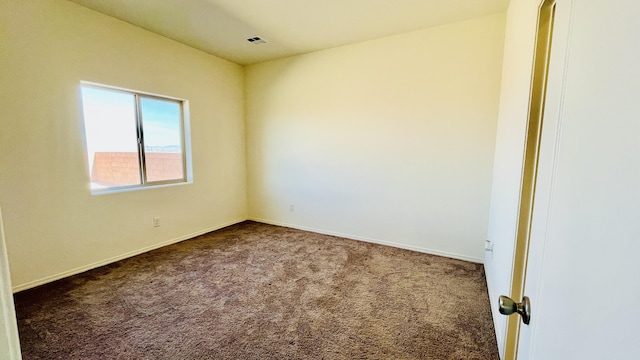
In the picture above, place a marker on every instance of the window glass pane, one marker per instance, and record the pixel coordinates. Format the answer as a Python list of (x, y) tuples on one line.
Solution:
[(111, 136), (161, 128)]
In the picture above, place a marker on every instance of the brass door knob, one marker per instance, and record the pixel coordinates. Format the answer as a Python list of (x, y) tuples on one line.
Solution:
[(507, 307)]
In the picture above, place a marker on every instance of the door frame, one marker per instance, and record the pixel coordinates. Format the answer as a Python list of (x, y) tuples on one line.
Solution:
[(531, 159), (532, 225), (9, 333)]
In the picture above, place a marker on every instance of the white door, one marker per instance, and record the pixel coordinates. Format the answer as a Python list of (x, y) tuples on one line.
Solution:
[(9, 344), (513, 122), (582, 272)]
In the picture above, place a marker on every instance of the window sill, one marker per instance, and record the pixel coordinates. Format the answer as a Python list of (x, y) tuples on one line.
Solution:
[(135, 188)]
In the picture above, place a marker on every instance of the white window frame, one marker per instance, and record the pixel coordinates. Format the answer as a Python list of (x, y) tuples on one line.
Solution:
[(185, 136)]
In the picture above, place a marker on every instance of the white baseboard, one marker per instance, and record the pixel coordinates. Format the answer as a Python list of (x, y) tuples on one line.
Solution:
[(374, 241), (78, 270)]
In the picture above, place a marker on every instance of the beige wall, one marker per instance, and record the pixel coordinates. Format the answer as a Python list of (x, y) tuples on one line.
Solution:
[(54, 226), (388, 140)]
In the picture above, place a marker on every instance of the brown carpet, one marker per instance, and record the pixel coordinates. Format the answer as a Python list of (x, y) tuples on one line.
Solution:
[(256, 291)]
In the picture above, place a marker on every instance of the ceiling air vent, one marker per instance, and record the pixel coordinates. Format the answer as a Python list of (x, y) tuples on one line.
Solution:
[(257, 40)]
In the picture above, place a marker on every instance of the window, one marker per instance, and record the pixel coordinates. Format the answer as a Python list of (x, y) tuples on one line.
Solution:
[(133, 139)]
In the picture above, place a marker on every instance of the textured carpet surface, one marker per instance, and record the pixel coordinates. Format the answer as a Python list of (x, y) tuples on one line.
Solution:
[(256, 291)]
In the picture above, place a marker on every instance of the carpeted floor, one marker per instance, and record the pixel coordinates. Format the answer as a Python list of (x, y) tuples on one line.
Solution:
[(256, 291)]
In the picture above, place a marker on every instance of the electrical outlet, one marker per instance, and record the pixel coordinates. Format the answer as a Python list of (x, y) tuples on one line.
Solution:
[(156, 222), (488, 245), (292, 207)]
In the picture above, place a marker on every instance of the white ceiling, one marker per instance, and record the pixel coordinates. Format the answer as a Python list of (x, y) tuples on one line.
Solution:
[(221, 27)]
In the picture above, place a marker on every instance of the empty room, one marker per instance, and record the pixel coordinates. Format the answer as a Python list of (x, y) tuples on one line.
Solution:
[(215, 179)]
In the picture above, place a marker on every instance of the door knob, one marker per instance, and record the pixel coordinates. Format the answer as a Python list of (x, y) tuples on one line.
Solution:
[(507, 307)]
